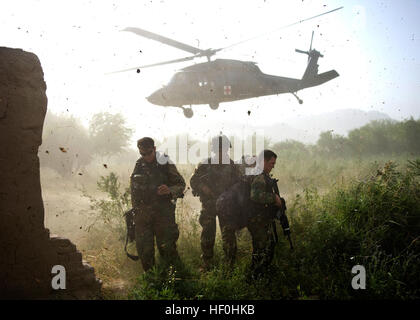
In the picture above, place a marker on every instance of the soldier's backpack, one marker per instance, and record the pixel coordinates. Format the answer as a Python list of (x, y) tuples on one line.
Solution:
[(234, 205)]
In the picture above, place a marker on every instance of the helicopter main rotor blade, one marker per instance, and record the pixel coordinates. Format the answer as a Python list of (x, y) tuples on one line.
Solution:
[(164, 40), (312, 38), (155, 64), (283, 27)]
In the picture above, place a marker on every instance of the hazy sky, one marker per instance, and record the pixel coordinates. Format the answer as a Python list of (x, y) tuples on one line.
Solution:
[(373, 45)]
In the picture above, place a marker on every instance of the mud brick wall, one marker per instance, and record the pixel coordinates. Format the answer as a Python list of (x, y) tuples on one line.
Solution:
[(27, 252)]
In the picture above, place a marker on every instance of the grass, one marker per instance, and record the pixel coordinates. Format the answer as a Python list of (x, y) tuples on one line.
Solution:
[(343, 212)]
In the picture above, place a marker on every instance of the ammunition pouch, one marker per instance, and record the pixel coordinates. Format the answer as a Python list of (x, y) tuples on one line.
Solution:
[(144, 192)]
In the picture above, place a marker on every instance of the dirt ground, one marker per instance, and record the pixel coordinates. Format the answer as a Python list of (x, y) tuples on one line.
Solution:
[(68, 214)]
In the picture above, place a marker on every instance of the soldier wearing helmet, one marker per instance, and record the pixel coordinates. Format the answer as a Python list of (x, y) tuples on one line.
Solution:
[(210, 179)]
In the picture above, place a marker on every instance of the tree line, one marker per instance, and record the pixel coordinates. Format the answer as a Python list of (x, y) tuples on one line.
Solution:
[(377, 138), (68, 146)]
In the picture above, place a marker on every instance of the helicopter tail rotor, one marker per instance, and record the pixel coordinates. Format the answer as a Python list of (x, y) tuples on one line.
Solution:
[(312, 38), (311, 52), (311, 77)]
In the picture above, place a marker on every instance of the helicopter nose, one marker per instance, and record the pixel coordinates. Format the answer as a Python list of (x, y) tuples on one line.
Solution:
[(156, 97), (151, 98)]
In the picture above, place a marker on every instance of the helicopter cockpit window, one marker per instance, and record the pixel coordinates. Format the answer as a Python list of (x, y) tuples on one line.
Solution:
[(250, 67), (178, 78), (203, 83)]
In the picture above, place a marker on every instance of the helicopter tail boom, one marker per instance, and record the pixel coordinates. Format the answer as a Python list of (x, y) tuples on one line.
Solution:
[(318, 79), (311, 77)]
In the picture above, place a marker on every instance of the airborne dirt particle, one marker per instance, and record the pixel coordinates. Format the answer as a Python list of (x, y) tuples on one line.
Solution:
[(249, 112), (105, 166), (62, 149)]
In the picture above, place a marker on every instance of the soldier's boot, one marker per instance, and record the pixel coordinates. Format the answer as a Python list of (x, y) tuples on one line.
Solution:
[(230, 262), (208, 235), (207, 244), (257, 271), (261, 261), (147, 264), (169, 253), (207, 264), (147, 256), (175, 261)]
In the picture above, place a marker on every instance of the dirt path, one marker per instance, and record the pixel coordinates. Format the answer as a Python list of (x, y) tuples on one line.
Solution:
[(67, 214)]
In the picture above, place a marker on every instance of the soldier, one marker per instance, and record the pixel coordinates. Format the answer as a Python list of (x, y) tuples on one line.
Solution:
[(264, 201), (155, 186), (211, 177)]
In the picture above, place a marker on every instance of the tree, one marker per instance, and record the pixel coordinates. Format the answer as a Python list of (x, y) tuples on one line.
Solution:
[(377, 137), (108, 133), (330, 144), (412, 135), (65, 145), (291, 150)]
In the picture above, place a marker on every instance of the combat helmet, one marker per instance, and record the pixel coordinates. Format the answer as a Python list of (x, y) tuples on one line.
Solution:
[(220, 140)]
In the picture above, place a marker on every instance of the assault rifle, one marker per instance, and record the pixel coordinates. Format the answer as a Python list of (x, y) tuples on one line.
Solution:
[(131, 232), (281, 215)]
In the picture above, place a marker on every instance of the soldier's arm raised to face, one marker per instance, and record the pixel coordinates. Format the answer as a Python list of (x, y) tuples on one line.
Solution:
[(176, 182), (195, 181), (200, 180), (259, 192), (238, 172)]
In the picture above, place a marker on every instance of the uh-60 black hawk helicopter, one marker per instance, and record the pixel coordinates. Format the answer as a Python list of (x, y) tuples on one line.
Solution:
[(224, 80)]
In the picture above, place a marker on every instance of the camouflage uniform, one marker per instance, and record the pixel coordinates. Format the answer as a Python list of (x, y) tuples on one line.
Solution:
[(218, 178), (263, 201), (155, 214)]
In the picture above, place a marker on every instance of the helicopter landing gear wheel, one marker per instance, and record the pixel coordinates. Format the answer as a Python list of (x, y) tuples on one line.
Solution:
[(188, 112), (214, 106), (298, 99)]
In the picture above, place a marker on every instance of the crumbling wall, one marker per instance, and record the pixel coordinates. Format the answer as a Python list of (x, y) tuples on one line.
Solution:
[(27, 252)]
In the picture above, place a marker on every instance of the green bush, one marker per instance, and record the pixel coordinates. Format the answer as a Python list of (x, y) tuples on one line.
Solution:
[(372, 221), (375, 223), (110, 211)]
